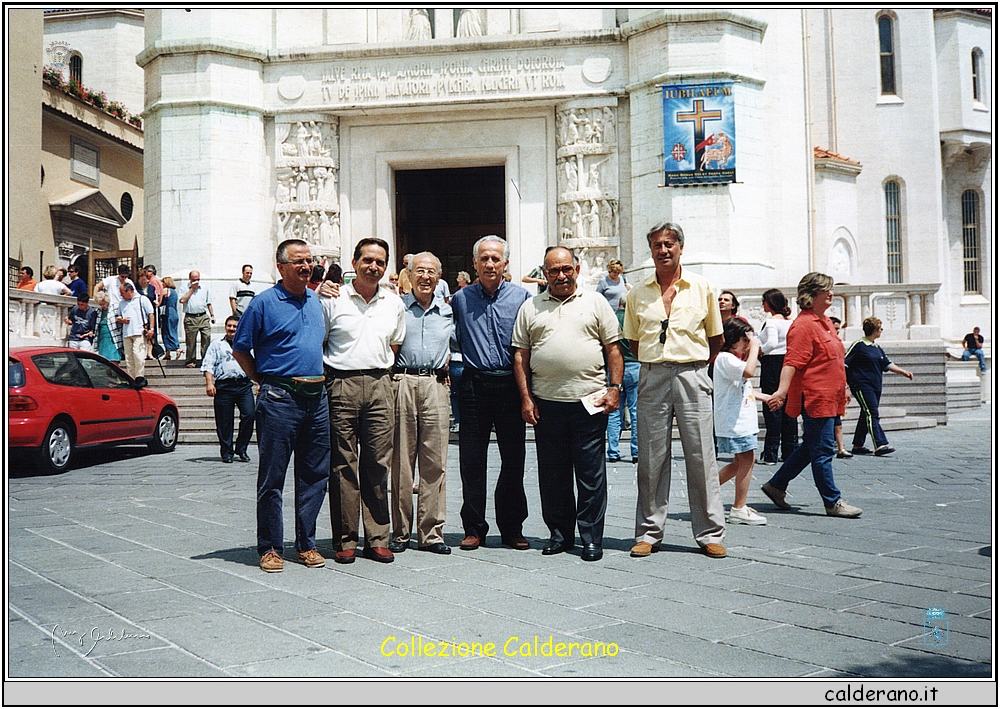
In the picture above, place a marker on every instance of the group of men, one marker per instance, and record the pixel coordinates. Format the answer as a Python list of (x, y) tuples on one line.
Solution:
[(354, 383)]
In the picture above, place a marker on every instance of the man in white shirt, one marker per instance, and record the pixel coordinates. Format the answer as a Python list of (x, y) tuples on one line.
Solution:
[(242, 291), (198, 318), (230, 387), (365, 327), (135, 316)]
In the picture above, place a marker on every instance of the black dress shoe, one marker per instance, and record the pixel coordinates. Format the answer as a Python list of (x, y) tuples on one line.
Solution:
[(398, 547), (554, 547), (244, 458), (436, 548), (592, 552), (227, 459)]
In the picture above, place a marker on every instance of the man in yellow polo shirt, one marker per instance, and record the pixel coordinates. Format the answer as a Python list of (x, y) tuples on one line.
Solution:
[(674, 327)]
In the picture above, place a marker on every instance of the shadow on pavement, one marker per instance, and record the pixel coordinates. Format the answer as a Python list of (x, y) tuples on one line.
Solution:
[(237, 555), (929, 666), (24, 465)]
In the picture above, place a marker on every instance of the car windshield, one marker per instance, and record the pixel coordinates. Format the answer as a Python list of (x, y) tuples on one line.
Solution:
[(15, 373)]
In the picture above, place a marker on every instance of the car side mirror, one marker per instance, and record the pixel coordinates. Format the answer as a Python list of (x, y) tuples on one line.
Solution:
[(140, 382)]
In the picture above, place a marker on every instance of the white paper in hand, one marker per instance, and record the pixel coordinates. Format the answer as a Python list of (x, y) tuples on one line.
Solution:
[(590, 401)]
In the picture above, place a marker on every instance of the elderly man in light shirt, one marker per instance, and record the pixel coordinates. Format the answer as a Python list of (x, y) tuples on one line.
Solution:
[(421, 378), (561, 338), (674, 327), (365, 327)]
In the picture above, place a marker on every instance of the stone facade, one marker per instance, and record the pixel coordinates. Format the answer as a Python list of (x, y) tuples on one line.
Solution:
[(273, 123)]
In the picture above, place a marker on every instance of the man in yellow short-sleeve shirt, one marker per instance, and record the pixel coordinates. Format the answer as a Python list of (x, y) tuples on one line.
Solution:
[(674, 327)]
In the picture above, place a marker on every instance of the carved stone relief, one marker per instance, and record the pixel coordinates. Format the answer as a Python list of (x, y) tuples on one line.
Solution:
[(587, 187), (306, 197), (470, 23), (419, 26)]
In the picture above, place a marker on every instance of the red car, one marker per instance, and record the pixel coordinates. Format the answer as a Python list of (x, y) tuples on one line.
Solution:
[(62, 399)]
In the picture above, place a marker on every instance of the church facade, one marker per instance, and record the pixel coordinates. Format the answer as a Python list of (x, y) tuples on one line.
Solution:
[(857, 142)]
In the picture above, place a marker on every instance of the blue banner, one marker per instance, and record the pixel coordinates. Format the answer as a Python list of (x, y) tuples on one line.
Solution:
[(699, 134)]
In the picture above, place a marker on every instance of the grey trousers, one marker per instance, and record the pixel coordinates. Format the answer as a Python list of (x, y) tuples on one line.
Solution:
[(683, 391), (421, 438)]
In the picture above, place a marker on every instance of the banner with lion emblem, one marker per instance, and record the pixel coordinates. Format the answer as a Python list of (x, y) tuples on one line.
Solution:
[(699, 134)]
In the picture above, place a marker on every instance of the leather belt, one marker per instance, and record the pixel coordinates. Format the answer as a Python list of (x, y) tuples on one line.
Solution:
[(490, 373), (343, 373), (421, 371)]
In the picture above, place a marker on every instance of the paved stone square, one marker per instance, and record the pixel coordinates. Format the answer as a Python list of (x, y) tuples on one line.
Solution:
[(136, 565)]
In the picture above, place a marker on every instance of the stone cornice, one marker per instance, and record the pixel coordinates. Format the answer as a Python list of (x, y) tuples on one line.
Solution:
[(851, 169), (200, 46), (382, 49), (652, 21), (686, 77)]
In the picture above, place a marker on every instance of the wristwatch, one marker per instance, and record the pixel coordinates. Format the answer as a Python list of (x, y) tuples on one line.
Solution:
[(615, 386)]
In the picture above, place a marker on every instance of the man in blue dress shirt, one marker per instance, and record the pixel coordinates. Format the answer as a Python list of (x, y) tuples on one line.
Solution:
[(489, 397), (420, 376), (230, 388), (284, 328)]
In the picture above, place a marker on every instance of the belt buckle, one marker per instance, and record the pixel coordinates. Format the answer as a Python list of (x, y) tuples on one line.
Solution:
[(424, 371)]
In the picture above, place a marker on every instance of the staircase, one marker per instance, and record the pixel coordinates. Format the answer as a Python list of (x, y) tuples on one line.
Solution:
[(187, 388)]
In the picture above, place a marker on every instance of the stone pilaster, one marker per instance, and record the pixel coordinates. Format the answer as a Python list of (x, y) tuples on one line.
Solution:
[(587, 183), (307, 171)]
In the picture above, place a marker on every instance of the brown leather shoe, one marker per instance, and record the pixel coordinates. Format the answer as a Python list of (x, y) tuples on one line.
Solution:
[(470, 543), (272, 562), (311, 558), (517, 542), (380, 554), (644, 549), (345, 556), (715, 551)]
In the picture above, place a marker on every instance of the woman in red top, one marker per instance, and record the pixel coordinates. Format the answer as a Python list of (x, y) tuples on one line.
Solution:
[(813, 383)]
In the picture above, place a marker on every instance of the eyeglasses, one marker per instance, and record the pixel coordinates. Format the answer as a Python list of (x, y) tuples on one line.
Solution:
[(564, 271), (299, 262), (425, 271), (663, 331)]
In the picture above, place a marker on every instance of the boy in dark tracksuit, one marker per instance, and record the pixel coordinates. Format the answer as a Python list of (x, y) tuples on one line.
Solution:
[(865, 362)]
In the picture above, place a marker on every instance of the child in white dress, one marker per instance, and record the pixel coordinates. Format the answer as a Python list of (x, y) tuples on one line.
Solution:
[(736, 413)]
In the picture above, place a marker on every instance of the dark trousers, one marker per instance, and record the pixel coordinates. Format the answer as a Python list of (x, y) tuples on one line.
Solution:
[(569, 440), (288, 424), (486, 402), (868, 421), (781, 429), (230, 394)]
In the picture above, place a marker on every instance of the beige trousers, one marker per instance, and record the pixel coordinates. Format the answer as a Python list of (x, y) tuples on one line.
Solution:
[(683, 391), (362, 417), (135, 355), (421, 440)]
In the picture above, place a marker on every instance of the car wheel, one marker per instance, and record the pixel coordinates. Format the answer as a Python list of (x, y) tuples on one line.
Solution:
[(56, 452), (165, 434)]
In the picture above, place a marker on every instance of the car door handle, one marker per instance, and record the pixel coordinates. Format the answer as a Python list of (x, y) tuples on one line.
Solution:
[(105, 397)]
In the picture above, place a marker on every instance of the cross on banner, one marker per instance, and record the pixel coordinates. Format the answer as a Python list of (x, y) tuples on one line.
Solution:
[(699, 116)]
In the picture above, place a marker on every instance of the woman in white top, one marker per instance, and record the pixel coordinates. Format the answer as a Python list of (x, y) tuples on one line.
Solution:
[(781, 430), (50, 285)]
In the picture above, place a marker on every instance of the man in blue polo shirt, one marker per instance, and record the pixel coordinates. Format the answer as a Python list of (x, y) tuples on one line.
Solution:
[(489, 397), (283, 326)]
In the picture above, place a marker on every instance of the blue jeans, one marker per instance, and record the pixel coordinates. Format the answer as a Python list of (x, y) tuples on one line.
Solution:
[(978, 352), (818, 448), (630, 391), (288, 424)]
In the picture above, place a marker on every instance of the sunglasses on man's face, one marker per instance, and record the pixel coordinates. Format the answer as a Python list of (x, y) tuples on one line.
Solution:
[(663, 330)]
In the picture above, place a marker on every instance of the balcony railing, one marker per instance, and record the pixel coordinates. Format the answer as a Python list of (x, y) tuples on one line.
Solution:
[(37, 318)]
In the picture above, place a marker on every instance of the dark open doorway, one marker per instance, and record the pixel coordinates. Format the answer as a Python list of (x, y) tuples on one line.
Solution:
[(445, 211)]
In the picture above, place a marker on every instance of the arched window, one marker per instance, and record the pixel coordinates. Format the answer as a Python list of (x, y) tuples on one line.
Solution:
[(76, 68), (893, 233), (971, 267), (977, 74), (887, 55)]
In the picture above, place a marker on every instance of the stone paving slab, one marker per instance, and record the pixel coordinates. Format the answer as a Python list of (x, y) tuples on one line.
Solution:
[(162, 548)]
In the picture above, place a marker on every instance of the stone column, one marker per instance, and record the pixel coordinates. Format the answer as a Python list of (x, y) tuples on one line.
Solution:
[(587, 183), (306, 194), (853, 311), (916, 311)]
